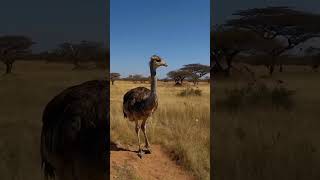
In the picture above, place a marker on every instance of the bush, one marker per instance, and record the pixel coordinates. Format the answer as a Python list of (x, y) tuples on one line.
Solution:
[(258, 95), (281, 97), (190, 92)]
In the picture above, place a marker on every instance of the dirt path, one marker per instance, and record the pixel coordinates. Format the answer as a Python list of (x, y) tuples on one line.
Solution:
[(125, 164)]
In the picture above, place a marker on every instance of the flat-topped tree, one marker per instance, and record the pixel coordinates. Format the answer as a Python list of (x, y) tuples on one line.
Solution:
[(12, 48), (138, 78), (83, 51), (228, 42), (315, 54), (178, 76), (196, 71), (114, 76), (272, 22)]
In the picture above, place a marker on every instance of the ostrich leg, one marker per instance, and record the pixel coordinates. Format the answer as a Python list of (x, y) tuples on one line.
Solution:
[(138, 131), (144, 129)]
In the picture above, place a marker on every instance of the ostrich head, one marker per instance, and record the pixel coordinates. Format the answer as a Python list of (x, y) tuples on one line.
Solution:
[(157, 61)]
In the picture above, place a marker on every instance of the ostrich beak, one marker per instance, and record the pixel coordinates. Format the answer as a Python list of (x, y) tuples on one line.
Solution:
[(164, 64)]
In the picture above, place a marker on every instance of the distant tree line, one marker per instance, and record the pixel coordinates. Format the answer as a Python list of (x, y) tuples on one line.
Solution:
[(77, 53), (190, 72), (14, 47)]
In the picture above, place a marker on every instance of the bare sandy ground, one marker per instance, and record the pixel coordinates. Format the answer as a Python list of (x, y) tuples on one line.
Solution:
[(125, 163)]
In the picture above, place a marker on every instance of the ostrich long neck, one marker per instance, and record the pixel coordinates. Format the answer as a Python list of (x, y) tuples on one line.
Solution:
[(153, 81)]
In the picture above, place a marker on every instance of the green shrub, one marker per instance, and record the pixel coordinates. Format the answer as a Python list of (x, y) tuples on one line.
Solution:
[(258, 95), (190, 92), (281, 97)]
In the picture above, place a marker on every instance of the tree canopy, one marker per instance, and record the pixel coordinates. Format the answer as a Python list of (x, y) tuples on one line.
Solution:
[(114, 76), (192, 72), (260, 29), (178, 76), (12, 48)]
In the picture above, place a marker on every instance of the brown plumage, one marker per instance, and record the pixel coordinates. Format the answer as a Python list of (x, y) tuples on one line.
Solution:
[(75, 133), (135, 103), (139, 103)]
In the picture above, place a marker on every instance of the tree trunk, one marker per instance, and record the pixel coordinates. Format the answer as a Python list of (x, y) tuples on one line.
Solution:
[(181, 81), (228, 67), (112, 82), (9, 68), (315, 68), (272, 64), (76, 63), (271, 69), (178, 83), (281, 68), (194, 83)]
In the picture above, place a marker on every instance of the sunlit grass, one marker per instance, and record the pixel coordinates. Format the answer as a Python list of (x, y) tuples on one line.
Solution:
[(180, 124)]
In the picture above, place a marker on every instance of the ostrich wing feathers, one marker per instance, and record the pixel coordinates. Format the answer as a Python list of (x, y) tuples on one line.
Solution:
[(136, 101), (76, 121)]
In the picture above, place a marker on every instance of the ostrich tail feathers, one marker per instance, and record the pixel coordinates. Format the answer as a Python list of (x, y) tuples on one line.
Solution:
[(49, 170)]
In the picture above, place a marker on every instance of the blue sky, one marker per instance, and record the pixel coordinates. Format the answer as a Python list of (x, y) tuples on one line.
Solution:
[(52, 22), (177, 30)]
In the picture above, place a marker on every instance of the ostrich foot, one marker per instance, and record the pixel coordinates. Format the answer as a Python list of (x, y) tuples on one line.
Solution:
[(140, 153), (147, 150)]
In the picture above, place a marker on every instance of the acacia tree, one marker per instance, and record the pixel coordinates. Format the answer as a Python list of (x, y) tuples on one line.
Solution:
[(273, 22), (315, 55), (83, 51), (196, 71), (227, 43), (207, 78), (114, 76), (12, 48), (178, 76), (136, 77)]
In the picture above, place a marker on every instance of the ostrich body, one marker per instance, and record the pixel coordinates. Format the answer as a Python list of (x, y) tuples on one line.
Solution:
[(139, 103), (75, 133)]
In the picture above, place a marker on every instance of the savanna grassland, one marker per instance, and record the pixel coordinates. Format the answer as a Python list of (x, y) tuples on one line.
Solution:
[(263, 141), (181, 124), (23, 96)]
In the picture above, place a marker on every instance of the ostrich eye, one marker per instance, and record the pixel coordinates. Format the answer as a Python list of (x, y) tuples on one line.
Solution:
[(158, 60)]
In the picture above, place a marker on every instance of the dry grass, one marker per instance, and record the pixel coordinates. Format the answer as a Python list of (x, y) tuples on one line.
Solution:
[(262, 142), (23, 96), (125, 172), (181, 124)]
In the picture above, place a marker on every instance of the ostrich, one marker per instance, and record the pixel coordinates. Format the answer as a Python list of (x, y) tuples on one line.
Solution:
[(139, 103), (75, 133)]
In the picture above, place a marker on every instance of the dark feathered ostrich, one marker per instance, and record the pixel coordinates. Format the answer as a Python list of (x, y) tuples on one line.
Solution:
[(139, 103), (75, 133)]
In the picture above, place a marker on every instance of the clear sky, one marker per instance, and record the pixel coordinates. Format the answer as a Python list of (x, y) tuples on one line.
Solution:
[(52, 22), (177, 30)]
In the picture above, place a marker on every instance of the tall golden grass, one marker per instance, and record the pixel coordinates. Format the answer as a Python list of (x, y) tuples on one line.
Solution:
[(263, 142), (180, 124)]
